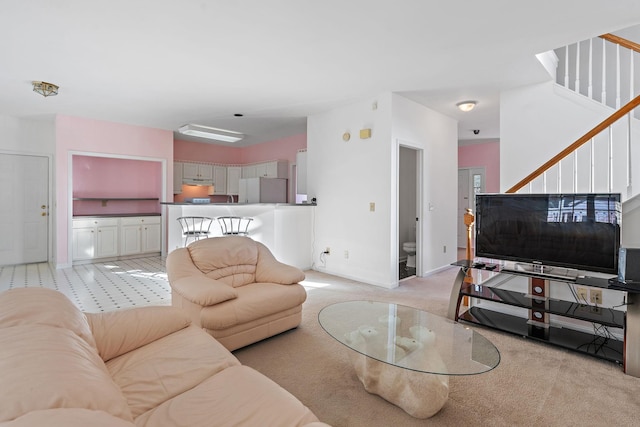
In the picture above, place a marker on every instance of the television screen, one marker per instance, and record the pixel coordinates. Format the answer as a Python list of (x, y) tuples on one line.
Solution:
[(578, 231)]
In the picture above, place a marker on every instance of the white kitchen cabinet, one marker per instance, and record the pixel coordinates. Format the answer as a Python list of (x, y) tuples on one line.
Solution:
[(272, 169), (249, 171), (94, 238), (301, 172), (177, 177), (220, 179), (197, 171), (234, 173), (139, 235)]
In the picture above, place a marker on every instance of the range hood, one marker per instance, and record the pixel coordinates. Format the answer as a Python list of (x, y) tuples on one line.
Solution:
[(199, 182)]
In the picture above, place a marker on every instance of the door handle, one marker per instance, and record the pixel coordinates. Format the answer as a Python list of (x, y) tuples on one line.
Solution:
[(43, 214)]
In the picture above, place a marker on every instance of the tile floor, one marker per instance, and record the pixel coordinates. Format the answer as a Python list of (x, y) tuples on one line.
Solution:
[(102, 286)]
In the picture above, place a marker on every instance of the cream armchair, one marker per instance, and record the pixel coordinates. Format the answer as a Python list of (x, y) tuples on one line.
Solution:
[(235, 289)]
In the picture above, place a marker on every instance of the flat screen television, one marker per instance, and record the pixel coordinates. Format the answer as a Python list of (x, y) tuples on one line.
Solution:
[(576, 231)]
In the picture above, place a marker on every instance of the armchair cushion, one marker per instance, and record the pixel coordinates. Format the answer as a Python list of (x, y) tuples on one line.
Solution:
[(231, 259), (204, 291)]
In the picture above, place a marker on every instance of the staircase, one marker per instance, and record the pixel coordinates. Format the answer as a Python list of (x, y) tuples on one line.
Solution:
[(606, 70)]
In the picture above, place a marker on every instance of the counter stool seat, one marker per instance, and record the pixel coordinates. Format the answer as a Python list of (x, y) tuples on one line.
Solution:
[(195, 227), (234, 225)]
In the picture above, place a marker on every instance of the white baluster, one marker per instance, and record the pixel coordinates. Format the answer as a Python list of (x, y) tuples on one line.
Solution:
[(617, 76), (590, 88), (592, 167), (604, 73), (629, 164), (577, 88), (559, 179), (566, 66), (544, 182), (610, 165), (575, 171)]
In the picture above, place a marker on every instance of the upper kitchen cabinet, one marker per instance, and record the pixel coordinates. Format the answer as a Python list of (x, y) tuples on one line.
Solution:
[(197, 171), (219, 179), (177, 177), (234, 173), (273, 169)]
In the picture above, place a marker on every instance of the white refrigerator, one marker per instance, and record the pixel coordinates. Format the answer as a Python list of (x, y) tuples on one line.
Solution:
[(262, 190)]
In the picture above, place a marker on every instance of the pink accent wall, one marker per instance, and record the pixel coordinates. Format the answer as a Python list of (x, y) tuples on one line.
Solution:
[(117, 178), (105, 139), (207, 153), (279, 149), (485, 155)]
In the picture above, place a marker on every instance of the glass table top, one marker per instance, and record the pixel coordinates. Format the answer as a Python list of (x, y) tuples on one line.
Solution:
[(409, 338)]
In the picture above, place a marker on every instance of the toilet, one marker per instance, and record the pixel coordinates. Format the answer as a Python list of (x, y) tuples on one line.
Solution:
[(410, 249)]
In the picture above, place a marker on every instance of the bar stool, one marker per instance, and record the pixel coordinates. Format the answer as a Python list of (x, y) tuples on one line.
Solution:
[(195, 227), (234, 225)]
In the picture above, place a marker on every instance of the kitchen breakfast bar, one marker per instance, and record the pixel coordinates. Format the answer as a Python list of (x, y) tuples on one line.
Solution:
[(286, 229)]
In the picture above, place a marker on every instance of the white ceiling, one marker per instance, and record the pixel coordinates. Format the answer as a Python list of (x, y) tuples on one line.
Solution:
[(165, 63)]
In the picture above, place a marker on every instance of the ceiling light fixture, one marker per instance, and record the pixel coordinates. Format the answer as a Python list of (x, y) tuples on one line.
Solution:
[(210, 133), (45, 89), (466, 106)]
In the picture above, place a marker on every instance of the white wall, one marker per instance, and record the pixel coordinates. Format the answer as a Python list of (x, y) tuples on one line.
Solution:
[(437, 135), (346, 177), (22, 136)]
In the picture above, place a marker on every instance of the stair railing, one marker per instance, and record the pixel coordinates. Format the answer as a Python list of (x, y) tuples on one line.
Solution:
[(627, 111), (600, 63)]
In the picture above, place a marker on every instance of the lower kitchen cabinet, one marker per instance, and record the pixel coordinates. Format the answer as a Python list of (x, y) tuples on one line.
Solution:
[(94, 238), (139, 235)]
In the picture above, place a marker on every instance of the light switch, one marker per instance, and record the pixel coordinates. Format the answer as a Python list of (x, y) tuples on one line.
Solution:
[(372, 206)]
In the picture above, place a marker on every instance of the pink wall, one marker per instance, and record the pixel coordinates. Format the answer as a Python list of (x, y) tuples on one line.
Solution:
[(208, 153), (87, 136), (117, 178), (279, 149), (485, 155)]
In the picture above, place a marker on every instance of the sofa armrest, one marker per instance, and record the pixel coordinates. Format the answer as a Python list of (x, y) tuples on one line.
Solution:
[(270, 270), (121, 331), (203, 291)]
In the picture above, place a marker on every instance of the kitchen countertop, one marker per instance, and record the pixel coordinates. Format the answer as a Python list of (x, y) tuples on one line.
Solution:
[(116, 215), (235, 204)]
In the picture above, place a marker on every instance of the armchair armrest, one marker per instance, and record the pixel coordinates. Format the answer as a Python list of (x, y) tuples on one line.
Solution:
[(270, 270), (203, 291)]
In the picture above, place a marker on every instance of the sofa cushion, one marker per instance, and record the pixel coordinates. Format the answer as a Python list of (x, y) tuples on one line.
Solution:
[(167, 367), (68, 417), (254, 301), (238, 396), (204, 291), (41, 306), (45, 367), (230, 259), (118, 332)]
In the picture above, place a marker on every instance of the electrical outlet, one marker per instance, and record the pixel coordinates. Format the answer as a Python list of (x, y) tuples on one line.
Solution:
[(582, 295), (596, 296), (346, 254), (327, 251)]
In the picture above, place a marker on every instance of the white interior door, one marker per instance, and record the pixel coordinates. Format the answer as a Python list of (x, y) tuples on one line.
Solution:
[(24, 186)]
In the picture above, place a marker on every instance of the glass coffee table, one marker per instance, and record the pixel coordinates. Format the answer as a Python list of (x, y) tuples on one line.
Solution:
[(406, 355)]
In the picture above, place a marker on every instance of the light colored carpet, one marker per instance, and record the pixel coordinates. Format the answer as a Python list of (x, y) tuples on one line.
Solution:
[(535, 384)]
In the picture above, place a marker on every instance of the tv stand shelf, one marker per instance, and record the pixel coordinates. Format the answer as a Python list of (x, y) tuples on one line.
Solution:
[(482, 282)]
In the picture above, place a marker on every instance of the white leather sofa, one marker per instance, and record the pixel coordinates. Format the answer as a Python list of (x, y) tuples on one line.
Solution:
[(136, 367)]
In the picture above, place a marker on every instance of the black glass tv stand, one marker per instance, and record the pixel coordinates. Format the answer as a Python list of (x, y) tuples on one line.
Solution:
[(480, 286)]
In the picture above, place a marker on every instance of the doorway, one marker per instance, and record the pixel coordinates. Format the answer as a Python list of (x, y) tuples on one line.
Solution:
[(471, 181), (409, 244), (24, 217)]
